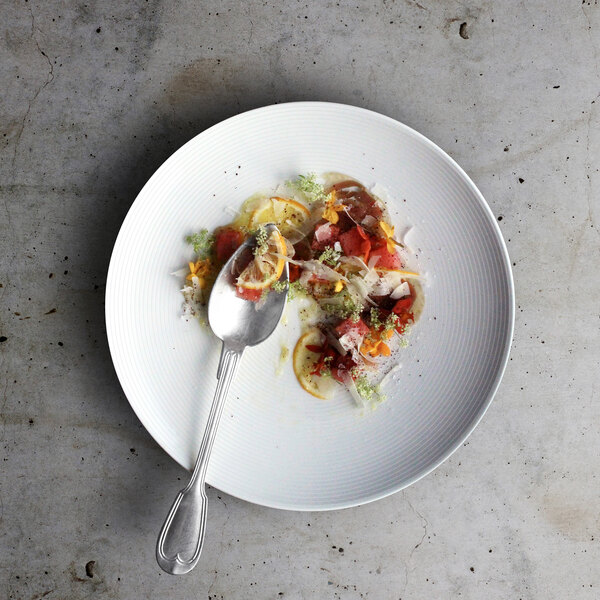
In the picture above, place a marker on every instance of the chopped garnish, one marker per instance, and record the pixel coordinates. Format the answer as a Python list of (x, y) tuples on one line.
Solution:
[(391, 322), (202, 242), (331, 210), (279, 286), (339, 285), (261, 241), (330, 256), (388, 232), (370, 392), (296, 289), (375, 322), (349, 309), (199, 270), (308, 185)]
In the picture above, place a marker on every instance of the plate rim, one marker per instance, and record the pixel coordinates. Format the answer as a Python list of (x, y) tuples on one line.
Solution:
[(476, 419)]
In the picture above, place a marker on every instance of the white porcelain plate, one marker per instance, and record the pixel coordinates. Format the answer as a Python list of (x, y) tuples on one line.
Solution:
[(278, 446)]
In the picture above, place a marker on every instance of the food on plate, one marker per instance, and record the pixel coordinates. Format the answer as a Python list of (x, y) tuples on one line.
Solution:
[(348, 272)]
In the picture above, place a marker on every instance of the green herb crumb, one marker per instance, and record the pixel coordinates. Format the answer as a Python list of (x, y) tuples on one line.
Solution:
[(279, 286), (261, 237), (330, 256), (308, 185), (349, 309), (367, 390), (375, 320), (202, 242), (296, 290), (391, 322)]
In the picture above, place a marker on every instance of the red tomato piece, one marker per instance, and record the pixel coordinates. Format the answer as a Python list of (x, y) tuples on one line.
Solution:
[(403, 305), (348, 325), (387, 259), (341, 365), (327, 235), (227, 241), (295, 272), (246, 294), (402, 309), (315, 348), (355, 242)]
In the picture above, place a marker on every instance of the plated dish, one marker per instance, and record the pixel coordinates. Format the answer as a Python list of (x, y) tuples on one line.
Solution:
[(348, 278), (278, 445)]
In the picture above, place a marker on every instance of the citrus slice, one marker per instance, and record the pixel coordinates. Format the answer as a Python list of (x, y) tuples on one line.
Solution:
[(287, 214), (304, 362), (265, 268)]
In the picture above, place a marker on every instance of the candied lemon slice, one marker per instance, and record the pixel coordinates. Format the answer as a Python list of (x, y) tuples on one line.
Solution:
[(287, 214), (304, 362), (265, 268)]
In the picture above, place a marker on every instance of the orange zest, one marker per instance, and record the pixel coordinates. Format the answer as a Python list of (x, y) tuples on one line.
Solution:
[(331, 210), (200, 270), (374, 345), (388, 232)]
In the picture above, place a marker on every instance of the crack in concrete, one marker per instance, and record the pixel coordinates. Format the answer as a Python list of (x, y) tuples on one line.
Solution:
[(425, 524), (588, 169), (219, 555), (49, 79)]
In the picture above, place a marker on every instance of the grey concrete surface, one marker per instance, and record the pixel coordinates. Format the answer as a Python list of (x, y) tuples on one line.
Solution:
[(95, 96)]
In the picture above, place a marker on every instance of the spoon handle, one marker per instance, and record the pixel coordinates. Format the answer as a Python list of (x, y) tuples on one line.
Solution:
[(182, 535)]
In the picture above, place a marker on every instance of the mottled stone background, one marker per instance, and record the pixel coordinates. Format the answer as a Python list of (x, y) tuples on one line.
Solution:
[(95, 96)]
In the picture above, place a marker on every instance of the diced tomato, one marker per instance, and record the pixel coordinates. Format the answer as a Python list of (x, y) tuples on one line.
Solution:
[(302, 250), (327, 356), (227, 241), (403, 305), (295, 272), (341, 365), (315, 348), (387, 260), (328, 235), (360, 203), (356, 242), (402, 309), (348, 325), (246, 294)]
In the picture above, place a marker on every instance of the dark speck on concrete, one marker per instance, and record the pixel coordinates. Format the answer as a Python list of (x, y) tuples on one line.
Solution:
[(51, 276), (521, 180), (472, 569), (31, 421), (341, 550), (462, 31), (51, 311), (500, 218), (89, 568), (555, 87), (116, 48), (60, 344), (3, 338), (99, 30)]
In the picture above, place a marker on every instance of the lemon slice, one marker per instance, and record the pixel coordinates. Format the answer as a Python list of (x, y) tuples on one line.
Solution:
[(266, 268), (285, 213), (304, 362)]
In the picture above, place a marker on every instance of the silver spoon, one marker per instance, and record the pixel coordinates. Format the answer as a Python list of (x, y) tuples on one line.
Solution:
[(239, 323)]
